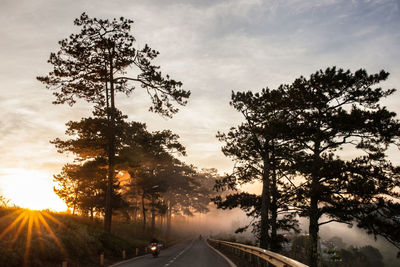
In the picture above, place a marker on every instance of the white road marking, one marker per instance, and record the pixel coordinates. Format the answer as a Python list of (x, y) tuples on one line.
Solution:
[(183, 251), (126, 261)]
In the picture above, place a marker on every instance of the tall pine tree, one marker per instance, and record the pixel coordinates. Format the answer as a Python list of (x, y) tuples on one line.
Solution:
[(331, 110), (92, 65), (261, 152)]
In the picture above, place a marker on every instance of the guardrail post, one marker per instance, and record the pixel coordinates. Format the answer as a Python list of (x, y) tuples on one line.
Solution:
[(123, 254), (102, 259), (258, 262), (137, 251)]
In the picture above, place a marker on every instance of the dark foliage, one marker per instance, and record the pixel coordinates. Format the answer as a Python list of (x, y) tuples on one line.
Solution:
[(93, 65), (304, 126)]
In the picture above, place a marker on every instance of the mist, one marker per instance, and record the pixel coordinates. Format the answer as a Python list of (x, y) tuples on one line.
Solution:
[(221, 224)]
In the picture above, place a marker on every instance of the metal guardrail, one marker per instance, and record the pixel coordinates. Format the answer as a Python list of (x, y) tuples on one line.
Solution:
[(258, 256)]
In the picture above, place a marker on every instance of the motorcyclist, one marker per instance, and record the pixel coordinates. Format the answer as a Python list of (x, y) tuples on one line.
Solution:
[(154, 241), (155, 247)]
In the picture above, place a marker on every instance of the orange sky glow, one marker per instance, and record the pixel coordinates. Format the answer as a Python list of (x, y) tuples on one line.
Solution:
[(30, 189)]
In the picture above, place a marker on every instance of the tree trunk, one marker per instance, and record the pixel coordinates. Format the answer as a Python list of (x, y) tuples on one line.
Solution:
[(75, 200), (143, 212), (274, 209), (153, 215), (314, 212), (91, 214), (111, 152), (313, 229), (265, 203), (169, 217), (135, 212)]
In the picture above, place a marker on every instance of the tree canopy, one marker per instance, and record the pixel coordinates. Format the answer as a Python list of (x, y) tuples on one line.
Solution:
[(305, 126), (94, 61), (261, 150), (93, 65)]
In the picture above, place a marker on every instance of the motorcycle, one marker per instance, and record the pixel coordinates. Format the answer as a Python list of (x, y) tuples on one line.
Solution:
[(155, 250)]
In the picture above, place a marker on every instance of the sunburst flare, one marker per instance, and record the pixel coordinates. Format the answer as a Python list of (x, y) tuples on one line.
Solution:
[(30, 224)]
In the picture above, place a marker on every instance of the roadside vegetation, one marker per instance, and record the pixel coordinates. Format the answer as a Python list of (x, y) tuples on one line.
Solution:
[(44, 238)]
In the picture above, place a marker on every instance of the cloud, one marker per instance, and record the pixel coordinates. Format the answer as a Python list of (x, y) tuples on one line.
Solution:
[(213, 47)]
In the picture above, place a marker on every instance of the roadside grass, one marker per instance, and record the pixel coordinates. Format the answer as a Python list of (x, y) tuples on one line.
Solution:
[(44, 238)]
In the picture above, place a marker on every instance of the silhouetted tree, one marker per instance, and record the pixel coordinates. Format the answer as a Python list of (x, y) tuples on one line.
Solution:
[(82, 187), (86, 180), (373, 255), (261, 151), (188, 191), (300, 247), (367, 256), (312, 119), (164, 183), (333, 109), (4, 202), (92, 65)]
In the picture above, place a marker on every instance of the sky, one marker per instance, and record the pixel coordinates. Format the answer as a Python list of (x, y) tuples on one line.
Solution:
[(213, 47)]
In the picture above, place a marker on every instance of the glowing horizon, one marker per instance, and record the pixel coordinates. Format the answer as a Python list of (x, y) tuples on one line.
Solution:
[(31, 189)]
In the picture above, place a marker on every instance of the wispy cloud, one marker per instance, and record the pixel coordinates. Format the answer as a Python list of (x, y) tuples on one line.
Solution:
[(214, 47)]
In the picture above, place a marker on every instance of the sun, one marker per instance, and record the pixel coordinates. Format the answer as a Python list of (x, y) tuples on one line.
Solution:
[(30, 189)]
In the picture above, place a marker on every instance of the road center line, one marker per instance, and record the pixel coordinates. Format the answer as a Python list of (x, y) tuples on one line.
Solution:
[(177, 256)]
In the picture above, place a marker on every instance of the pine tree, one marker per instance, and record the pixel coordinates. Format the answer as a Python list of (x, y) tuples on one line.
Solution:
[(330, 110), (93, 64), (261, 152)]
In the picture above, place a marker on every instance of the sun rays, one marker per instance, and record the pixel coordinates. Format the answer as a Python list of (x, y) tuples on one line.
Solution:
[(29, 225)]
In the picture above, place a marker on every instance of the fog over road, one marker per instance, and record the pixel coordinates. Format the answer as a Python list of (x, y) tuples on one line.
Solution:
[(193, 253)]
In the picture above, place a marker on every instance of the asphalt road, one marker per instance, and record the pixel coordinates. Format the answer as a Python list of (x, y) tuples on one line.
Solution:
[(193, 253)]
